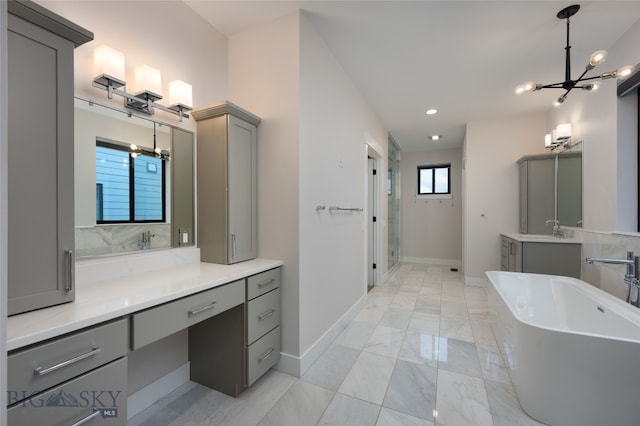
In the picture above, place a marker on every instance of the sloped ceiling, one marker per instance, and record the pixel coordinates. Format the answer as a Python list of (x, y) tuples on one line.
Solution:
[(462, 57)]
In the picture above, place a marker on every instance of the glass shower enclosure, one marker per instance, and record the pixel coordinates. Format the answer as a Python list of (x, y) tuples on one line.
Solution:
[(393, 199)]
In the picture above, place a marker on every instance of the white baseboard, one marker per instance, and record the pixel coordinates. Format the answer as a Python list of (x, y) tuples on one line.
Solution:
[(289, 364), (475, 281), (431, 261), (150, 394), (388, 273), (297, 366)]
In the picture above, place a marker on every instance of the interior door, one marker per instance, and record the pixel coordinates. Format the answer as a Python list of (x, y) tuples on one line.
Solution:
[(372, 221)]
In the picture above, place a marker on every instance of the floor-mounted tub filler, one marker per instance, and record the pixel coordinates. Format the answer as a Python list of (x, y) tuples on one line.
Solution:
[(572, 350)]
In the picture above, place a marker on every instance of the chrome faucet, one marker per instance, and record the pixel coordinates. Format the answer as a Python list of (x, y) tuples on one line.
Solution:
[(557, 231), (145, 241), (631, 277)]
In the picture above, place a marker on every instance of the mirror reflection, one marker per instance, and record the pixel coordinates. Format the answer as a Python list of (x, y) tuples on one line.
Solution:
[(569, 188), (126, 168)]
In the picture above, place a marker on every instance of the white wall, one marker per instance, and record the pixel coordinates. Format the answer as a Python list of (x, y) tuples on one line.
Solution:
[(335, 125), (608, 127), (166, 35), (431, 229), (273, 94), (492, 148), (313, 116)]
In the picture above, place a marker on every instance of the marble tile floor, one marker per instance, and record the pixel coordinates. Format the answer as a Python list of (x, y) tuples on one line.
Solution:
[(420, 352)]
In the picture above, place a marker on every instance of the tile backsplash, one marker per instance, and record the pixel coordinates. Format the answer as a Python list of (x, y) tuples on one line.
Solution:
[(609, 278), (111, 239)]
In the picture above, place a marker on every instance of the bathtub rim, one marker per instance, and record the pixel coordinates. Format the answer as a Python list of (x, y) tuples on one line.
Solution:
[(601, 298)]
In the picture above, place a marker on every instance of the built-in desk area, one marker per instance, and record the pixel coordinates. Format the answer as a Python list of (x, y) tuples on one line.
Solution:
[(73, 357)]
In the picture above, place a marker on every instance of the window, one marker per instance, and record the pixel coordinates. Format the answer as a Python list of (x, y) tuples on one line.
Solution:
[(434, 179), (130, 187)]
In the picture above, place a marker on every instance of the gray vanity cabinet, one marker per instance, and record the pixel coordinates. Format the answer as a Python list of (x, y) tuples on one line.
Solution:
[(80, 377), (511, 255), (40, 156), (227, 184), (263, 323), (541, 257), (537, 194)]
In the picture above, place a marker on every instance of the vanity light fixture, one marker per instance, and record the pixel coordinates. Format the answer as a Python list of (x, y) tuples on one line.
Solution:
[(560, 137), (180, 95), (109, 75), (582, 82)]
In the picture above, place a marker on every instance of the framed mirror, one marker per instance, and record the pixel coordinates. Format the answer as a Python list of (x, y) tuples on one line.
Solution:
[(569, 188), (133, 182)]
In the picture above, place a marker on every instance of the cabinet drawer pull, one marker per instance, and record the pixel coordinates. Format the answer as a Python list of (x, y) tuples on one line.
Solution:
[(264, 284), (93, 415), (233, 246), (42, 371), (266, 355), (70, 270), (202, 309), (266, 314)]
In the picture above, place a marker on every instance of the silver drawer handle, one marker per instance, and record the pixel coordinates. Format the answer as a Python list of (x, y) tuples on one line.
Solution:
[(89, 417), (202, 309), (70, 271), (266, 355), (266, 314), (42, 371), (271, 281)]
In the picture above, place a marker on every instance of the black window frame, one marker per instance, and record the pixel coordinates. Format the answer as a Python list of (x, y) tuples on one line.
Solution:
[(433, 168), (132, 194)]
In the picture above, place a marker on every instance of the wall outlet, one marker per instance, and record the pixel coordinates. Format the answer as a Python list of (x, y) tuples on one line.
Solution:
[(185, 237)]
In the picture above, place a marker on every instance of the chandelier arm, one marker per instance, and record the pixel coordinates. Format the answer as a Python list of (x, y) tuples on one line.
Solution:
[(581, 76), (597, 77), (554, 86)]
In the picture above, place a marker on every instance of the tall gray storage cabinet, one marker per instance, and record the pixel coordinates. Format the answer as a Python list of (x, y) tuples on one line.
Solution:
[(227, 183), (40, 156), (537, 193)]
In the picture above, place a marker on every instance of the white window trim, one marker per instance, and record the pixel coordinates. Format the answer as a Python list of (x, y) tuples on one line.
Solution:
[(434, 197)]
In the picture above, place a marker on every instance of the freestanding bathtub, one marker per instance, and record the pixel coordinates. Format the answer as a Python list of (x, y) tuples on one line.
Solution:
[(572, 350)]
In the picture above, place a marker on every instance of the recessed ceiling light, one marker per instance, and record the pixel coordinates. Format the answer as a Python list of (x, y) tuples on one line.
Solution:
[(435, 137), (431, 111)]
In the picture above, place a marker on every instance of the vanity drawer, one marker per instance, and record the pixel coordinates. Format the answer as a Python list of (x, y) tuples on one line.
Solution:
[(103, 391), (164, 320), (49, 364), (262, 355), (263, 315), (263, 282)]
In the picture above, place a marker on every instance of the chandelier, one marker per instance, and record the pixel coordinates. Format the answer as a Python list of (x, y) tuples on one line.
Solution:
[(582, 82)]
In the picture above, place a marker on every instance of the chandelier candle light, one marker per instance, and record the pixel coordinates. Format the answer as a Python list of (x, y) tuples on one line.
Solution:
[(582, 82)]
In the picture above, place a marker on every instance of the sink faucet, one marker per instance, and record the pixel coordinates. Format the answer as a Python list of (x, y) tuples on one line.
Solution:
[(557, 231), (631, 277), (145, 241)]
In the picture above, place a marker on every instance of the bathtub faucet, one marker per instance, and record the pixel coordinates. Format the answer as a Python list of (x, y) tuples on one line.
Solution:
[(631, 277)]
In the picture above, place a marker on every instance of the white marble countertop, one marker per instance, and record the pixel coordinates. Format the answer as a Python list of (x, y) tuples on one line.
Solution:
[(98, 302), (539, 238)]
